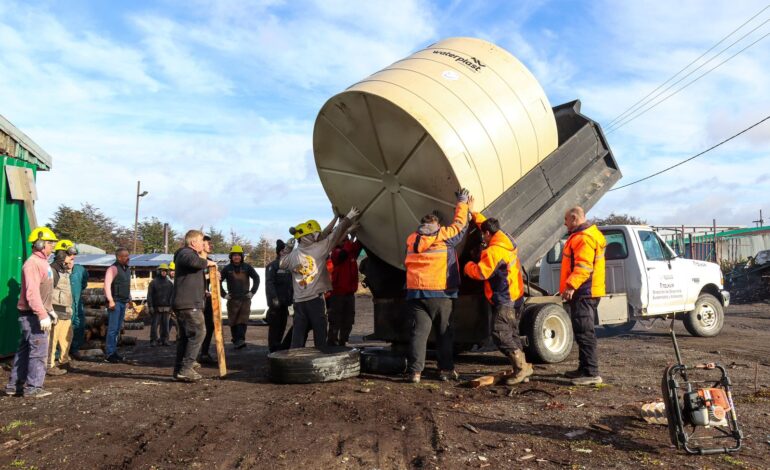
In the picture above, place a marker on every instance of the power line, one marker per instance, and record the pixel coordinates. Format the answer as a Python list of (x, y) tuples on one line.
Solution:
[(618, 126), (694, 156), (633, 106)]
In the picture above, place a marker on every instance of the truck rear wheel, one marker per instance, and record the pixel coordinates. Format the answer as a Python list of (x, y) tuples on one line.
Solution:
[(550, 333), (707, 318)]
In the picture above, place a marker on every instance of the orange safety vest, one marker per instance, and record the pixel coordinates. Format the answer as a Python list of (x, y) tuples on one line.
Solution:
[(499, 268), (431, 260), (582, 263)]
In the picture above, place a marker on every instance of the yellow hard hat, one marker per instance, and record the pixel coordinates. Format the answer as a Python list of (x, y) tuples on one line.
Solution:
[(236, 249), (172, 266), (163, 266), (44, 234), (66, 245), (306, 228)]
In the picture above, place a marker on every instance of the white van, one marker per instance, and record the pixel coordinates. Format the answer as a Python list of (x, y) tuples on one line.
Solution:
[(258, 302)]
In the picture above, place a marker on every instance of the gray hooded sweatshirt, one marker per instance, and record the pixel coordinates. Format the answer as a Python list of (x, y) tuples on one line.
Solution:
[(307, 262)]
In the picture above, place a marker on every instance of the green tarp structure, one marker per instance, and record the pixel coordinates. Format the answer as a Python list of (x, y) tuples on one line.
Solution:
[(16, 150)]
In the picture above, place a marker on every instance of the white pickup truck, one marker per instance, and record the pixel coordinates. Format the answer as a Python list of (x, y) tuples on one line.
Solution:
[(645, 279)]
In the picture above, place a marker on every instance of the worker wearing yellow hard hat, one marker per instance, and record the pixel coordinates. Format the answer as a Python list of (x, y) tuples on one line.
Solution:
[(172, 271), (240, 282), (311, 280), (61, 330), (36, 316), (159, 294)]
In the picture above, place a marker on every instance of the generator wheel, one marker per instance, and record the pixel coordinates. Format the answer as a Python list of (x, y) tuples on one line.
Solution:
[(550, 333), (707, 318), (310, 365)]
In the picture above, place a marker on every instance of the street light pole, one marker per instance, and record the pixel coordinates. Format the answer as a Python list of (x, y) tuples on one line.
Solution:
[(136, 213)]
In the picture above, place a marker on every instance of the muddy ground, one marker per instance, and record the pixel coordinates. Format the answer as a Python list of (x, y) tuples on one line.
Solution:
[(133, 415)]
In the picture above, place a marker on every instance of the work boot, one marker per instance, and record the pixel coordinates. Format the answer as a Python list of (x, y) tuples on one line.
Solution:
[(196, 365), (153, 343), (240, 344), (412, 377), (113, 358), (36, 392), (521, 368), (11, 391), (447, 375), (165, 342), (54, 371), (587, 380), (187, 376), (573, 374)]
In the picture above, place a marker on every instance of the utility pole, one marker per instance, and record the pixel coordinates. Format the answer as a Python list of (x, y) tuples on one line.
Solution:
[(165, 238), (761, 221), (136, 213)]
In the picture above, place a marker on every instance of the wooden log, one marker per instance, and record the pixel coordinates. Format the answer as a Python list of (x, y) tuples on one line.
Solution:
[(487, 380), (133, 325), (216, 305)]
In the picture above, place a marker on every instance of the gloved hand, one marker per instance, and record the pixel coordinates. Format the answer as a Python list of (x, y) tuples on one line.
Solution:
[(54, 317), (249, 294), (462, 195), (228, 297), (45, 324), (353, 213), (275, 303)]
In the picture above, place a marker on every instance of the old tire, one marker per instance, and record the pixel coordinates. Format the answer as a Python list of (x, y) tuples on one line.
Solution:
[(549, 332), (707, 318), (310, 365), (382, 361)]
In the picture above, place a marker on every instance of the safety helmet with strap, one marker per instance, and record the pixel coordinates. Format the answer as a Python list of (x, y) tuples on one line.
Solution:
[(306, 228), (40, 235), (163, 267), (66, 245), (236, 249)]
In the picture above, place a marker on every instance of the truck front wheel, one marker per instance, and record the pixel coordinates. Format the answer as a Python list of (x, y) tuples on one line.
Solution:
[(550, 333), (707, 318)]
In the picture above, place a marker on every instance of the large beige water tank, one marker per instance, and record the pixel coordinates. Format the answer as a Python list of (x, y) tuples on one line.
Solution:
[(460, 113)]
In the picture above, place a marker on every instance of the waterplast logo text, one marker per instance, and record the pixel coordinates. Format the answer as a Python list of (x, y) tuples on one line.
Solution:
[(472, 62)]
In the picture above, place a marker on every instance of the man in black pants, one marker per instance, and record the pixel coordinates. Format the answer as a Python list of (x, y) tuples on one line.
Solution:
[(582, 285), (208, 311), (189, 300), (279, 292)]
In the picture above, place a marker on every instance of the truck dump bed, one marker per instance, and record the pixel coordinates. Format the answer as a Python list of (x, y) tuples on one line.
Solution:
[(579, 172)]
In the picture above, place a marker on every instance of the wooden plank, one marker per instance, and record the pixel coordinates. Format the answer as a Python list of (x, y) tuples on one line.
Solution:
[(487, 380), (216, 306), (21, 183)]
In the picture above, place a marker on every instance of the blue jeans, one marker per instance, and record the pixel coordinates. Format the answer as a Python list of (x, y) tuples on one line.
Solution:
[(29, 364), (114, 325)]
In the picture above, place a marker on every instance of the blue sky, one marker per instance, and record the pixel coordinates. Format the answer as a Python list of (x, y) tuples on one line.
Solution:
[(211, 104)]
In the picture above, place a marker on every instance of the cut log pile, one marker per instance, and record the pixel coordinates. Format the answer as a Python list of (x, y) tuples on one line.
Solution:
[(95, 303)]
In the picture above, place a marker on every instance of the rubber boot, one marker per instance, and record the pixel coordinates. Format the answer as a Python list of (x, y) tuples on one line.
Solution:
[(521, 368)]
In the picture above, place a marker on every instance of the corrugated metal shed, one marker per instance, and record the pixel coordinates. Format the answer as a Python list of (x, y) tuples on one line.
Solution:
[(138, 261), (17, 144), (16, 150)]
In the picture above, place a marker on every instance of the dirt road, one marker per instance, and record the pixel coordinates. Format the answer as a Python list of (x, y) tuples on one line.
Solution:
[(133, 416)]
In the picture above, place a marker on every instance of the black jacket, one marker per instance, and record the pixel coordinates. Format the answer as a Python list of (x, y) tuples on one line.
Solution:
[(237, 279), (189, 283), (278, 285), (160, 293)]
